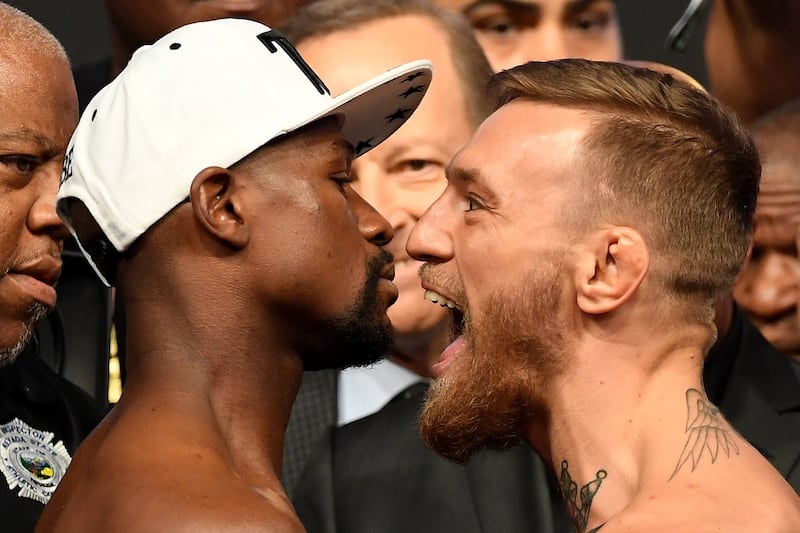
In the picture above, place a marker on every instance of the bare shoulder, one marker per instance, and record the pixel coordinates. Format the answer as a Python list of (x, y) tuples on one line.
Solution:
[(164, 484), (176, 501), (698, 506)]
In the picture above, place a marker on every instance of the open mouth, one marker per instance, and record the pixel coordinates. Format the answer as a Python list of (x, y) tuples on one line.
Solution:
[(456, 313)]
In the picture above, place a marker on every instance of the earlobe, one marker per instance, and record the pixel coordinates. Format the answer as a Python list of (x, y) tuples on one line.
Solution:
[(611, 264), (216, 202)]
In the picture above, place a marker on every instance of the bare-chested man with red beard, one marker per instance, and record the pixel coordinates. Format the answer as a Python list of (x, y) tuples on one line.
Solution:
[(586, 233)]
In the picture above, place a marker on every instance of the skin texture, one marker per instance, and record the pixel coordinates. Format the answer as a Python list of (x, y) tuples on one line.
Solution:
[(38, 114), (751, 49), (767, 287), (405, 174), (513, 32), (136, 23), (556, 341), (229, 297)]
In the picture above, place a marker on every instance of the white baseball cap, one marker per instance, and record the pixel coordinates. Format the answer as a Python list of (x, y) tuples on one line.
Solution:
[(207, 94)]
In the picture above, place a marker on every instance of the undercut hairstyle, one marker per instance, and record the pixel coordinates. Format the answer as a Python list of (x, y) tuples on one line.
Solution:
[(19, 33), (660, 156), (324, 17)]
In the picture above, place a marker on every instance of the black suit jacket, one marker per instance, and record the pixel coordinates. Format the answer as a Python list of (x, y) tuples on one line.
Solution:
[(45, 401), (758, 391), (376, 475)]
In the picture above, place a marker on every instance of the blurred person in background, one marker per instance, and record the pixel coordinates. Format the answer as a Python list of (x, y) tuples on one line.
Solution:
[(512, 32)]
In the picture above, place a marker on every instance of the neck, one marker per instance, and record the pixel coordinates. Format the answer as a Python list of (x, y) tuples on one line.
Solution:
[(616, 423), (226, 377)]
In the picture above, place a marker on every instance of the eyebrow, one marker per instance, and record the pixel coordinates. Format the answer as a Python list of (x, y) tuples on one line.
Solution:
[(27, 135), (344, 146), (463, 176), (572, 6)]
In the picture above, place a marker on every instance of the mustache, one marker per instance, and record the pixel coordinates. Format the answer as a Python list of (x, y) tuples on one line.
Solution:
[(54, 252), (378, 264), (438, 277)]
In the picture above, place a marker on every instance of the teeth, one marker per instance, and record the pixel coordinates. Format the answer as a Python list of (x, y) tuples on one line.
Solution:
[(439, 299)]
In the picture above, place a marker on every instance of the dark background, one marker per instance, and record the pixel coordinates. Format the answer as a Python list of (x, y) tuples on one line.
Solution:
[(82, 27)]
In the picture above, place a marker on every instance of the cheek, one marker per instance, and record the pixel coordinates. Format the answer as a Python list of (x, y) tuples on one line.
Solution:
[(13, 224)]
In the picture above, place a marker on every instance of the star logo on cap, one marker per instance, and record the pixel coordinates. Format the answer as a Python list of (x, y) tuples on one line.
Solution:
[(411, 90), (412, 77), (400, 114), (363, 145)]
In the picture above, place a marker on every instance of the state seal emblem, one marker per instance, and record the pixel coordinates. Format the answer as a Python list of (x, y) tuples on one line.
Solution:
[(30, 461)]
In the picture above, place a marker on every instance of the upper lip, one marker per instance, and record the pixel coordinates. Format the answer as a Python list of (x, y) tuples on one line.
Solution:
[(388, 271), (45, 268), (429, 287)]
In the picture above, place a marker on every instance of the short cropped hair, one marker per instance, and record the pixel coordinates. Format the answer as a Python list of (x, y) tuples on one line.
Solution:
[(660, 156), (19, 32), (324, 17)]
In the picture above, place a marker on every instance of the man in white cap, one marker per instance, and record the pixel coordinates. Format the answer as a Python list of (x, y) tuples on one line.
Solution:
[(210, 184)]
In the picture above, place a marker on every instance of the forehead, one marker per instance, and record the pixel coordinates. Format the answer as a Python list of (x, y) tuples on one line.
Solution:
[(38, 96), (347, 57), (778, 209), (525, 141), (547, 5), (318, 143), (344, 58)]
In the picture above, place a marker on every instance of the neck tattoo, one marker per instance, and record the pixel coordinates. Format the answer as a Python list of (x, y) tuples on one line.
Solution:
[(569, 489), (706, 430)]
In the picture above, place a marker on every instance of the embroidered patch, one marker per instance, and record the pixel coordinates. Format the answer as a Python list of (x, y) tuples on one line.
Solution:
[(30, 461)]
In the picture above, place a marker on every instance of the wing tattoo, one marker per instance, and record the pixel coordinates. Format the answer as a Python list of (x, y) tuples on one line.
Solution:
[(707, 431)]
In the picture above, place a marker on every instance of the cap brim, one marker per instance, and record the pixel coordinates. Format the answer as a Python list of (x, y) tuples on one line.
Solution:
[(375, 109)]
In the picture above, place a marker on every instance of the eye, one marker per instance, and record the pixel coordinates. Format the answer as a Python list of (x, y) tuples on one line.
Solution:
[(342, 180), (497, 25), (473, 204), (415, 165), (19, 163), (592, 21)]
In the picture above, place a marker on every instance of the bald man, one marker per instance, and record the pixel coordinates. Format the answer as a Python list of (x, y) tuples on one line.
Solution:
[(42, 416)]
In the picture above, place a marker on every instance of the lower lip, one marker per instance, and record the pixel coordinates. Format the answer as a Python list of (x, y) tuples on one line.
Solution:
[(391, 288), (34, 288), (448, 356)]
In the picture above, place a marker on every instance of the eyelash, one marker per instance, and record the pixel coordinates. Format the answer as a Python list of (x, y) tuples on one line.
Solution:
[(342, 181), (473, 204), (16, 160)]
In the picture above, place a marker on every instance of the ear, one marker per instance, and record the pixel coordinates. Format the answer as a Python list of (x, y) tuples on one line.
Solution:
[(610, 266), (217, 205)]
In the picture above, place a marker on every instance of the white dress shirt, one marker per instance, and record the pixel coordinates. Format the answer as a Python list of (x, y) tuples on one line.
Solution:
[(365, 390)]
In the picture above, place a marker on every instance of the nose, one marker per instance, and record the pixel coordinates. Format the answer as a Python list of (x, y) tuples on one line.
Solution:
[(768, 286), (547, 41), (42, 217), (372, 225), (430, 241)]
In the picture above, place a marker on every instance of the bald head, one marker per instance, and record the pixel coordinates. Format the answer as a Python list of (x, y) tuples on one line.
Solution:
[(20, 33), (39, 112)]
